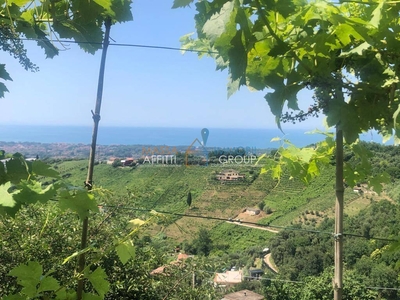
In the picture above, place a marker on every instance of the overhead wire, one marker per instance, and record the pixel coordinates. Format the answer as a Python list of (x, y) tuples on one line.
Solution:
[(125, 45), (233, 221)]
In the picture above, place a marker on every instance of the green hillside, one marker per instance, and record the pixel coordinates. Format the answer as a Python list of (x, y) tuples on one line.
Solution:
[(165, 188)]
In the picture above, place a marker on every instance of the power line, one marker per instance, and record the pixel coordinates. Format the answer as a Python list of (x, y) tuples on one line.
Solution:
[(233, 221), (125, 45)]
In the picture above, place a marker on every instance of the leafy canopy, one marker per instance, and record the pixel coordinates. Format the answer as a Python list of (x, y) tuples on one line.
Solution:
[(47, 21), (345, 52)]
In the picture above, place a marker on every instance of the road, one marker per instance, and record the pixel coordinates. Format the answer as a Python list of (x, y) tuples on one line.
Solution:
[(267, 258)]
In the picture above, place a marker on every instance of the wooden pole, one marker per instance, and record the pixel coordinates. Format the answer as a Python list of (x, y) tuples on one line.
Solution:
[(338, 279), (89, 178)]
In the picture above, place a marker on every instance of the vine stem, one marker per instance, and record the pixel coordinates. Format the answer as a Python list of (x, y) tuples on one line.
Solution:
[(89, 179)]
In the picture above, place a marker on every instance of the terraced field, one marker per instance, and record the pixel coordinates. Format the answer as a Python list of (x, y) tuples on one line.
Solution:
[(165, 188)]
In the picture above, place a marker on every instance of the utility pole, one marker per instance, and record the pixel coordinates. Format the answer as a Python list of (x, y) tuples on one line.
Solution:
[(89, 178), (338, 235)]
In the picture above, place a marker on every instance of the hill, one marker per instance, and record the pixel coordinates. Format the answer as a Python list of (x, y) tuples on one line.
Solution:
[(165, 188)]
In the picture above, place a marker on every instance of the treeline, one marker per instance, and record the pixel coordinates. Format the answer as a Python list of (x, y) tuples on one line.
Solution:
[(301, 254)]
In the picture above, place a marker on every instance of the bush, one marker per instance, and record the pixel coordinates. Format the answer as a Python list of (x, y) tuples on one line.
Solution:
[(117, 163), (268, 210)]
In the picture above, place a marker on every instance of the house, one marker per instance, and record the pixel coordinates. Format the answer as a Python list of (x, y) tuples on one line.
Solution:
[(252, 211), (243, 295), (229, 175), (128, 161), (228, 279), (358, 190)]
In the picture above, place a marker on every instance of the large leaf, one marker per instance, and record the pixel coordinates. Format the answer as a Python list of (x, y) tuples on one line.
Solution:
[(6, 199), (125, 251), (32, 192), (98, 278), (79, 201), (41, 169), (28, 276), (3, 73), (17, 169), (216, 25)]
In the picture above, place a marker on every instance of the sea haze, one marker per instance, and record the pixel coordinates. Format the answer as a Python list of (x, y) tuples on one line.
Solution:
[(218, 137)]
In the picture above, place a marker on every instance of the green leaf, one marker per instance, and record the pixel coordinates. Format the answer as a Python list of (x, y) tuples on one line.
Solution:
[(48, 283), (49, 49), (122, 10), (16, 169), (377, 182), (90, 296), (125, 251), (31, 192), (377, 15), (64, 294), (98, 279), (79, 201), (238, 58), (3, 175), (3, 89), (181, 3), (28, 276), (41, 169), (7, 202), (215, 26), (3, 73), (233, 85), (106, 5), (18, 2)]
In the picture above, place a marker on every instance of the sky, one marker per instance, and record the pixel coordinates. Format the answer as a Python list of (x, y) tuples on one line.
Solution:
[(142, 87)]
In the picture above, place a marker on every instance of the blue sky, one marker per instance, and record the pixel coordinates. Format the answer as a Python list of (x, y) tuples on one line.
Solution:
[(143, 87)]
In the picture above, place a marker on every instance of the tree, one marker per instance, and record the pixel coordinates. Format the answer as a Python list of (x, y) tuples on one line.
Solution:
[(189, 199), (48, 22), (203, 243), (345, 52), (117, 163)]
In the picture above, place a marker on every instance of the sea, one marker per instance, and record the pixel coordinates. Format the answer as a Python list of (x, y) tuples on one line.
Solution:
[(211, 137)]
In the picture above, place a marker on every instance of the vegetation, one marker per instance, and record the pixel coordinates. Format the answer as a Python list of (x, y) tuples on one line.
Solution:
[(47, 23), (303, 253)]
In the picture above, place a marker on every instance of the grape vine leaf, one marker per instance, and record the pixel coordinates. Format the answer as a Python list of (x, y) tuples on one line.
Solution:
[(3, 73), (125, 251), (28, 276), (181, 3), (98, 279), (216, 25), (48, 283), (32, 192), (41, 169), (3, 175), (17, 169), (7, 203), (79, 201), (90, 296)]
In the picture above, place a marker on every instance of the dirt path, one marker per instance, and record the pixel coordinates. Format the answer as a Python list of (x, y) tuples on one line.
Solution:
[(246, 218), (253, 226), (267, 260)]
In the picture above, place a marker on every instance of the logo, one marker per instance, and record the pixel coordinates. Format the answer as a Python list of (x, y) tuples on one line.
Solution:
[(198, 154), (200, 149)]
